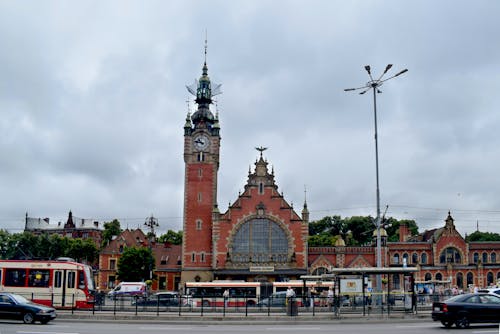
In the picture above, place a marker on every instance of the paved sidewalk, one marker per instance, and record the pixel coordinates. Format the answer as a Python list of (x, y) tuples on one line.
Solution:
[(236, 318)]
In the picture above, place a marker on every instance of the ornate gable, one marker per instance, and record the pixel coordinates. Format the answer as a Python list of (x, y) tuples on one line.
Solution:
[(358, 262), (321, 262)]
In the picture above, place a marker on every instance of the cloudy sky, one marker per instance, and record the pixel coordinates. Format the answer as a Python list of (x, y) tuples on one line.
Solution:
[(93, 104)]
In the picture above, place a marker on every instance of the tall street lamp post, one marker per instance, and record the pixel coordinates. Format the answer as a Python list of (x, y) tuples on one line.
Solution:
[(374, 85)]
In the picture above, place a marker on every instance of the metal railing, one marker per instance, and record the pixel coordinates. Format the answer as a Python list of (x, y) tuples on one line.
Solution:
[(243, 306)]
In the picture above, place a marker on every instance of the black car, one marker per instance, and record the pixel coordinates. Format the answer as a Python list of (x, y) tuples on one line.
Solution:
[(17, 307), (464, 309), (160, 299)]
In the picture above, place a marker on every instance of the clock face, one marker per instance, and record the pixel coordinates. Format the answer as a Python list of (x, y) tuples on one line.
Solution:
[(201, 142)]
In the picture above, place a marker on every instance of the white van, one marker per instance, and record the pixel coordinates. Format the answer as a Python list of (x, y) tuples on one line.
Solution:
[(129, 289)]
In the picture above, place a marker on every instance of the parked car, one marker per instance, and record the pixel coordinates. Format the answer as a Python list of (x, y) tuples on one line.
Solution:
[(276, 299), (462, 310), (129, 289), (167, 298), (494, 291), (17, 307)]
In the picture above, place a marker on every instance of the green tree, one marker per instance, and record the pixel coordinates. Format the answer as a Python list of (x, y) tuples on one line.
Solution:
[(319, 240), (135, 263), (111, 229), (5, 238), (393, 228), (482, 236), (361, 230), (82, 250), (172, 237), (356, 230)]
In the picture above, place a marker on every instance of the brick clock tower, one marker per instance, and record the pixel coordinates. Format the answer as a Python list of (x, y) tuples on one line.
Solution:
[(201, 158)]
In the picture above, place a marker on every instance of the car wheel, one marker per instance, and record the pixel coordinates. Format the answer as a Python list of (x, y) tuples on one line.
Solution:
[(447, 324), (28, 318), (462, 322)]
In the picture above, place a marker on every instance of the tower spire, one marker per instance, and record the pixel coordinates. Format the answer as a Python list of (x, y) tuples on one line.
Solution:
[(206, 45)]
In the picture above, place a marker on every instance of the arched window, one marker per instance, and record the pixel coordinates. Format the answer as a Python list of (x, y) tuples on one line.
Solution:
[(489, 278), (485, 257), (260, 241), (395, 282), (423, 258), (460, 280), (428, 276), (396, 258), (450, 255), (476, 257), (470, 279), (493, 257), (414, 258), (405, 258), (439, 277)]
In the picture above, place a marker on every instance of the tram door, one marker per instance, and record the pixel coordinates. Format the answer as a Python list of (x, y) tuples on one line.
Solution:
[(63, 287)]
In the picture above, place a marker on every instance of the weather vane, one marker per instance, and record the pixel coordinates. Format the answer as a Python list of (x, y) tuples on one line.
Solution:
[(261, 149)]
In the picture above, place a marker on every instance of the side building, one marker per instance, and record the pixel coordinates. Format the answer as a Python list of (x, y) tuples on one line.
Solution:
[(442, 257), (167, 261), (73, 228)]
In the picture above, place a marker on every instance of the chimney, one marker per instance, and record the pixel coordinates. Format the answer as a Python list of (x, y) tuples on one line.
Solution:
[(404, 232)]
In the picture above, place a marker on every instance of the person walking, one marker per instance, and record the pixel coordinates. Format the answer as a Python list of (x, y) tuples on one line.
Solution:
[(226, 297)]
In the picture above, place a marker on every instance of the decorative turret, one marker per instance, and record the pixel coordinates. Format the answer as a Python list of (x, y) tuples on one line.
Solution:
[(305, 211), (261, 175), (449, 222), (203, 92)]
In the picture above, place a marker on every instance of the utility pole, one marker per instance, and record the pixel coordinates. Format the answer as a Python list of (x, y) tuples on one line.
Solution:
[(151, 222)]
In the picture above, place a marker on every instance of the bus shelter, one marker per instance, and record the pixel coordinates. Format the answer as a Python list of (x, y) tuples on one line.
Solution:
[(354, 281)]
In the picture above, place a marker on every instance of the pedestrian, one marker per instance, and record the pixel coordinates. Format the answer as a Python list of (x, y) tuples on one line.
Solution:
[(330, 298), (226, 297)]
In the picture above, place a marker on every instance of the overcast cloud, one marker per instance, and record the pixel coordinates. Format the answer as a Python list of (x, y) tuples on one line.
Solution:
[(93, 104)]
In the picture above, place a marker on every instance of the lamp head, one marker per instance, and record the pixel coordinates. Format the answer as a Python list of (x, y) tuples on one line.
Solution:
[(367, 68)]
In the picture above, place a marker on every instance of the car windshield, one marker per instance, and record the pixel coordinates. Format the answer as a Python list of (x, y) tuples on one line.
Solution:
[(20, 299)]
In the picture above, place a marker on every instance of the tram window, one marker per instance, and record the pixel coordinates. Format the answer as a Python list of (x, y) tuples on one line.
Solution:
[(38, 278), (81, 280), (15, 277), (58, 279), (71, 279)]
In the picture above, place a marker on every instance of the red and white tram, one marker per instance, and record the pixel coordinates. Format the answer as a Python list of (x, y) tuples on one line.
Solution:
[(57, 283)]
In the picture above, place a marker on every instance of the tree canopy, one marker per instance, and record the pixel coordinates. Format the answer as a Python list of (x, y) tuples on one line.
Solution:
[(172, 237), (356, 230), (111, 229), (135, 264), (29, 246), (482, 236)]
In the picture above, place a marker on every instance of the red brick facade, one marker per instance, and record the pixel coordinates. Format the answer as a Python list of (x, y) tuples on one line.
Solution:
[(440, 254)]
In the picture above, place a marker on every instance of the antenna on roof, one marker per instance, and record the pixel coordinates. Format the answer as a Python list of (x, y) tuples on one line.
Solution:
[(206, 44)]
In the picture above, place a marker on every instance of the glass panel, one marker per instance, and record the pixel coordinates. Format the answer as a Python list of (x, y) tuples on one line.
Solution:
[(71, 279), (260, 241), (57, 279), (38, 278), (15, 277)]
